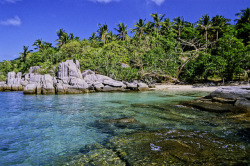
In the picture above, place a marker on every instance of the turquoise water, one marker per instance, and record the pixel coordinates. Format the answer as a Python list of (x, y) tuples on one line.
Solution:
[(37, 130)]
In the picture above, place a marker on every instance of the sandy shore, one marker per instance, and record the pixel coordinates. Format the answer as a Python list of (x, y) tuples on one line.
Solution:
[(186, 88)]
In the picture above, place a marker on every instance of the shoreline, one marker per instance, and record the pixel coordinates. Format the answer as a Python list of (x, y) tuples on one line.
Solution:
[(167, 87)]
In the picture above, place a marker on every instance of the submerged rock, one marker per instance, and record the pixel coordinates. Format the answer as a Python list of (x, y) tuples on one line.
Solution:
[(178, 147), (120, 120), (208, 105), (97, 155)]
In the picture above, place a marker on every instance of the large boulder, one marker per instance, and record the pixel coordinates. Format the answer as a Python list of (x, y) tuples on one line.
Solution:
[(31, 88), (77, 85), (14, 81), (69, 69), (143, 87), (2, 86), (114, 83), (98, 86), (108, 88), (233, 92), (47, 84), (34, 69), (225, 99), (131, 86), (61, 88)]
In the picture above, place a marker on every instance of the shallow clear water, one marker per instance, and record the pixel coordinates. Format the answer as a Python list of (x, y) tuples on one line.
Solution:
[(36, 130)]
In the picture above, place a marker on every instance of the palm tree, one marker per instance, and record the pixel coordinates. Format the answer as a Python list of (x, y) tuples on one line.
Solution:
[(71, 36), (103, 31), (93, 37), (244, 16), (47, 45), (218, 23), (60, 33), (110, 37), (122, 29), (140, 27), (205, 24), (179, 25), (149, 28), (165, 26), (39, 44), (25, 52), (157, 20), (242, 25)]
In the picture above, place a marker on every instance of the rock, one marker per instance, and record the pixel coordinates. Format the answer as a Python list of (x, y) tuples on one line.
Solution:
[(69, 79), (143, 87), (152, 86), (208, 105), (34, 69), (101, 78), (120, 120), (98, 86), (90, 79), (108, 88), (229, 99), (232, 92), (14, 81), (69, 69), (47, 84), (2, 86), (131, 86), (35, 78), (100, 156), (61, 88), (30, 89), (178, 147), (77, 85), (24, 83), (242, 104), (114, 83), (124, 65), (87, 72)]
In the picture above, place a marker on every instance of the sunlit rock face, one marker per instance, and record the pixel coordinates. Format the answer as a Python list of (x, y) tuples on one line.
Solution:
[(68, 80)]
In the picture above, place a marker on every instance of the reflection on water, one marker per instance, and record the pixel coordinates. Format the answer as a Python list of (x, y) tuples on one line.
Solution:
[(37, 130)]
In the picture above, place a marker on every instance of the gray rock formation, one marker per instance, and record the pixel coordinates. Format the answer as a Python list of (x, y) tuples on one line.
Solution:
[(47, 84), (13, 82), (68, 80)]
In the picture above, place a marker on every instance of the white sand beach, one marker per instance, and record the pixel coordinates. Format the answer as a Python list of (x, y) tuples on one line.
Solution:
[(186, 87)]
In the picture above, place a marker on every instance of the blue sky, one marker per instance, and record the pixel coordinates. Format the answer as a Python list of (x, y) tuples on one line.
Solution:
[(24, 21)]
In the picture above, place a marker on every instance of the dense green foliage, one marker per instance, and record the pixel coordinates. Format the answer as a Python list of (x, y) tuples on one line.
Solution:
[(160, 50)]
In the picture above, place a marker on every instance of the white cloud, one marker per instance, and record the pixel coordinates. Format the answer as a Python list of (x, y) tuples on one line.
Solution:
[(158, 2), (104, 1), (9, 1), (16, 21)]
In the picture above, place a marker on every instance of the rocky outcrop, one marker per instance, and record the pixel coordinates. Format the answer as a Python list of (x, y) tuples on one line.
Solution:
[(225, 99), (68, 80), (13, 82)]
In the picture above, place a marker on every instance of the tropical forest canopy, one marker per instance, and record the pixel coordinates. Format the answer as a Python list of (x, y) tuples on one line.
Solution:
[(153, 51)]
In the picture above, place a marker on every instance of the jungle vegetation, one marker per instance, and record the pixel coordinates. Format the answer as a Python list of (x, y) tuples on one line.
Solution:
[(153, 51)]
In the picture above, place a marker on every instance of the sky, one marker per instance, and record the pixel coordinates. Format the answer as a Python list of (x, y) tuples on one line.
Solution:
[(24, 21)]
